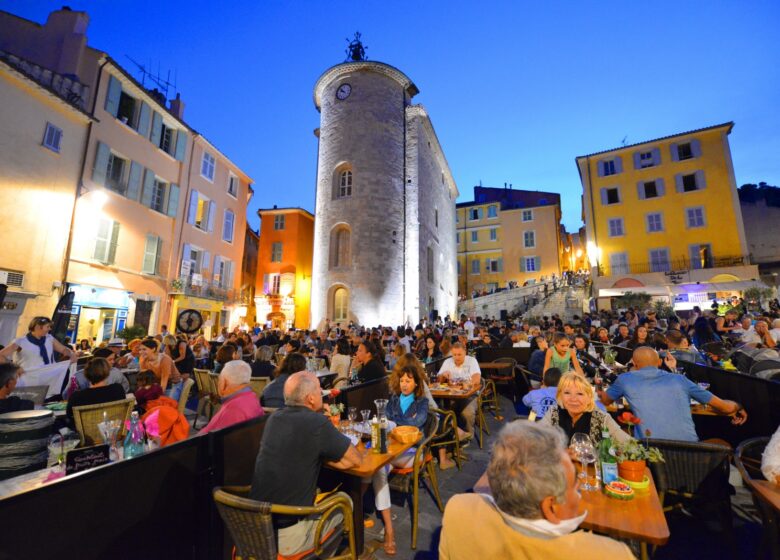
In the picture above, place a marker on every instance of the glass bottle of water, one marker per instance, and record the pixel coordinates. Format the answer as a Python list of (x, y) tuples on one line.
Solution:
[(134, 440)]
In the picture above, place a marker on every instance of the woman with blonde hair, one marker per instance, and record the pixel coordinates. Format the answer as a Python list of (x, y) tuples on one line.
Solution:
[(576, 411)]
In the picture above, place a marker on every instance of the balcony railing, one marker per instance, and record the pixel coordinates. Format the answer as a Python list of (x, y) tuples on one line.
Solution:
[(674, 265), (67, 87), (203, 289)]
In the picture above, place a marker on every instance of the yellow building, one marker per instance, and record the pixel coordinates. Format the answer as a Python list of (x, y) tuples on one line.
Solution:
[(507, 235), (42, 137), (665, 213)]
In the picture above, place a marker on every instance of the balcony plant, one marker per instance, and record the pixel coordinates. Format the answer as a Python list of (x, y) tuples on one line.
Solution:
[(177, 284)]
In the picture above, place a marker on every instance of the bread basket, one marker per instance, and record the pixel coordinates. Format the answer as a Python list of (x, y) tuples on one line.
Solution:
[(405, 434)]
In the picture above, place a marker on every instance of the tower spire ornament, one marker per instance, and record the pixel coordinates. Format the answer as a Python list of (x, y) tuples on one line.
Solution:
[(355, 49)]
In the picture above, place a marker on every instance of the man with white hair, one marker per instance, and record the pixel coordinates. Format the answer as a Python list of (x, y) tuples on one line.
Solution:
[(239, 402), (531, 507)]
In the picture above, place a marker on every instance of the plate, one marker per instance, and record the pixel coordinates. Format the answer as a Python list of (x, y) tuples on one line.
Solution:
[(360, 427)]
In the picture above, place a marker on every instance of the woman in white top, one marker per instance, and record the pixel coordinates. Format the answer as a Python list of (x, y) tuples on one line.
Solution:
[(770, 461), (341, 360), (37, 347)]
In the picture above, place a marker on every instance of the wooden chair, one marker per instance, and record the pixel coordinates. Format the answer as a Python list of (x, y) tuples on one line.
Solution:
[(185, 394), (88, 417), (206, 395), (251, 526), (447, 433), (481, 427), (748, 461), (505, 376), (408, 480), (258, 385)]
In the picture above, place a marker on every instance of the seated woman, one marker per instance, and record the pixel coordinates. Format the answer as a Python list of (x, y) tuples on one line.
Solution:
[(398, 352), (770, 460), (273, 395), (340, 360), (129, 360), (586, 354), (407, 406), (576, 411), (562, 355), (96, 371), (162, 366), (262, 366), (370, 362), (239, 402), (226, 353), (639, 338), (147, 389), (431, 351)]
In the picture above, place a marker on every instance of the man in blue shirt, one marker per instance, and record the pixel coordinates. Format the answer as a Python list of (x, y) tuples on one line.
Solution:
[(662, 399), (539, 400)]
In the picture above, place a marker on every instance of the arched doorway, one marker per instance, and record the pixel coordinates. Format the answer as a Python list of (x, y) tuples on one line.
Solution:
[(278, 320)]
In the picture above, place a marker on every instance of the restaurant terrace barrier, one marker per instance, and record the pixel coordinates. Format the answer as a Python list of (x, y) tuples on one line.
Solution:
[(362, 396), (157, 505)]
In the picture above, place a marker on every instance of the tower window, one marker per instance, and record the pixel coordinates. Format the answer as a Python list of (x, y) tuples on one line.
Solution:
[(345, 184)]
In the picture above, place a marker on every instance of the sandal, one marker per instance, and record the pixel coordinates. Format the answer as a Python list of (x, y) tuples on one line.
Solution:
[(389, 546)]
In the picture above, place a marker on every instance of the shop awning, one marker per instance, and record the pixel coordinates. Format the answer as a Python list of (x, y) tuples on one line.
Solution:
[(617, 292), (738, 286)]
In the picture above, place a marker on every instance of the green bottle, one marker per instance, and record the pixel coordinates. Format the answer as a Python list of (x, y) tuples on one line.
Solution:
[(609, 470)]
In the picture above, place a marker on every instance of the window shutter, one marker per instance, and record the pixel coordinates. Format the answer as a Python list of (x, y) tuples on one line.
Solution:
[(659, 187), (134, 180), (600, 168), (205, 261), (618, 164), (114, 242), (637, 160), (228, 274), (150, 254), (265, 283), (604, 196), (181, 144), (537, 264), (101, 163), (102, 240), (678, 184), (522, 264), (212, 211), (185, 258), (112, 96), (656, 156), (192, 211), (487, 265), (227, 229), (700, 182), (501, 265), (143, 120), (157, 256), (146, 195), (696, 148), (156, 128), (173, 200), (640, 190), (673, 150), (216, 278)]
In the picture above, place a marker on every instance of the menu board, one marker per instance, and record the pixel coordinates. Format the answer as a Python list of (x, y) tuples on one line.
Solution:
[(78, 460)]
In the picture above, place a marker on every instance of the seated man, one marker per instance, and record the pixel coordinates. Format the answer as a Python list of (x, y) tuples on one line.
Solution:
[(239, 402), (662, 399), (760, 336), (678, 346), (297, 440), (463, 369), (531, 511), (114, 377), (9, 374)]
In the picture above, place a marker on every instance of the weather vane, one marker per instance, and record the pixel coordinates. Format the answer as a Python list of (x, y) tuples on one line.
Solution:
[(355, 49)]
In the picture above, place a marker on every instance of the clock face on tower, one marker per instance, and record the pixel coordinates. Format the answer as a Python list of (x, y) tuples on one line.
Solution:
[(343, 92)]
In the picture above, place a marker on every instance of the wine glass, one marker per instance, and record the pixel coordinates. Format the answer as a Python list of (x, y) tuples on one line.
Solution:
[(352, 415), (366, 413), (579, 444), (587, 456)]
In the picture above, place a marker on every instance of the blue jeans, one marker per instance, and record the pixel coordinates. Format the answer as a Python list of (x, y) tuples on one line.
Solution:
[(174, 390)]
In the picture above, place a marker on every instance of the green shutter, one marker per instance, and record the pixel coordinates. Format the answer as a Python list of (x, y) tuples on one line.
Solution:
[(146, 196), (538, 264), (151, 254), (522, 264), (181, 144), (143, 120), (134, 180), (100, 169), (101, 240), (501, 265), (114, 241), (173, 200), (156, 128), (113, 95)]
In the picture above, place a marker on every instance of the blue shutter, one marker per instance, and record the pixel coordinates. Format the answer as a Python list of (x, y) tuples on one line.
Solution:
[(146, 195), (192, 210), (673, 150), (143, 120), (205, 260), (185, 257), (113, 244), (618, 164), (600, 168), (134, 180), (538, 264), (101, 163), (522, 264), (215, 277), (637, 160), (150, 254), (212, 211), (501, 265), (112, 96), (700, 182), (181, 144), (678, 183), (156, 128), (656, 156), (696, 148), (640, 190), (173, 200), (659, 187), (603, 196)]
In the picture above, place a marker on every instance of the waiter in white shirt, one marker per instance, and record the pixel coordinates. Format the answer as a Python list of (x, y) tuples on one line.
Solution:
[(463, 369)]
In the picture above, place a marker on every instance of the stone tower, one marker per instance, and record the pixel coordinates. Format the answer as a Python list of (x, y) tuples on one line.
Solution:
[(384, 239)]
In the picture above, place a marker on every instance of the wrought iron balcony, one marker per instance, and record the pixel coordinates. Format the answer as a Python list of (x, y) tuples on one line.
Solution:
[(200, 288), (674, 265)]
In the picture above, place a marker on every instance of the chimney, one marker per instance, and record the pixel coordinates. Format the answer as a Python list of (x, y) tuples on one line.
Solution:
[(177, 107), (158, 96), (66, 35)]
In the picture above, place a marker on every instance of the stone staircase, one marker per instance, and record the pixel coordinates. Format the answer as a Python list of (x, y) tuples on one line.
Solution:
[(491, 305), (565, 302)]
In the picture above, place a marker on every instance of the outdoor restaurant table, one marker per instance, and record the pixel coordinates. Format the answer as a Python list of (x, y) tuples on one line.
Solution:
[(438, 391), (768, 491), (353, 480), (492, 365)]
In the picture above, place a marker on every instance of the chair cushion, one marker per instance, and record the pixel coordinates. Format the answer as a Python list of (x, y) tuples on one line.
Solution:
[(410, 470), (310, 552)]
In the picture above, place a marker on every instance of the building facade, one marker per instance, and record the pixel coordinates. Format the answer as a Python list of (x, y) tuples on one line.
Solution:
[(760, 206), (507, 235), (284, 267), (42, 137), (385, 203), (249, 273), (663, 216)]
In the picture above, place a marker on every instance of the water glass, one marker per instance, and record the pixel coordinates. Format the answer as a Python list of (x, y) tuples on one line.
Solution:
[(352, 415), (366, 414)]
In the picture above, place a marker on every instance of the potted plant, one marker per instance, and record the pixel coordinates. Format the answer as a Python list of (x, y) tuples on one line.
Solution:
[(333, 410), (632, 457)]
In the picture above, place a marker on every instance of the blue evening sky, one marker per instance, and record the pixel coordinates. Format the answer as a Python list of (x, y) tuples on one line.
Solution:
[(515, 90)]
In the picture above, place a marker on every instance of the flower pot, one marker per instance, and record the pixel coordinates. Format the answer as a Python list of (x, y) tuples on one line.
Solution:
[(632, 470), (336, 419)]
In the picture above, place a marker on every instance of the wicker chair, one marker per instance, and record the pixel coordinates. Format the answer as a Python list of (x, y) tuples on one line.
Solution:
[(506, 376), (481, 427), (490, 399), (748, 461), (408, 480), (206, 395), (88, 417), (250, 524), (447, 433), (258, 385), (185, 394), (695, 472)]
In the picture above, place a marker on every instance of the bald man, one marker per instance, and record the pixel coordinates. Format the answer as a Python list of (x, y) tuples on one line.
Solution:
[(662, 399), (297, 440)]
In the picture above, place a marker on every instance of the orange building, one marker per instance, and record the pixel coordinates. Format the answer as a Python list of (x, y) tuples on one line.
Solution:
[(284, 260)]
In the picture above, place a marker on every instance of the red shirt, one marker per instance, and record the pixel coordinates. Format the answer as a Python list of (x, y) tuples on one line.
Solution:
[(238, 407)]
